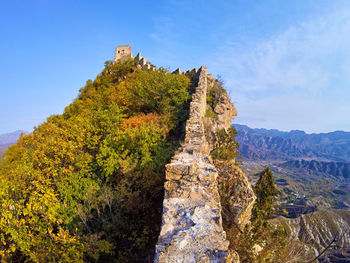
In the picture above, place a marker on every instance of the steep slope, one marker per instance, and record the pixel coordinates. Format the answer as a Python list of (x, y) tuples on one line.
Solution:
[(327, 169), (88, 185)]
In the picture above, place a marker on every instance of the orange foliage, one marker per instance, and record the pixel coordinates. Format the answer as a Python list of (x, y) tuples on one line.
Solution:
[(141, 121)]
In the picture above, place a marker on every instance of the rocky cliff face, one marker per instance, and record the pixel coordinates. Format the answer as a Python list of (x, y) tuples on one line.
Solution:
[(237, 195), (192, 224)]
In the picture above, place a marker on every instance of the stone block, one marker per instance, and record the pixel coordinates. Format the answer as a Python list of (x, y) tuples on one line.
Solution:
[(177, 168), (173, 177)]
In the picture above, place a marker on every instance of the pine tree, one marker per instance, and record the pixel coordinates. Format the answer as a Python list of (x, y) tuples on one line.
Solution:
[(265, 191)]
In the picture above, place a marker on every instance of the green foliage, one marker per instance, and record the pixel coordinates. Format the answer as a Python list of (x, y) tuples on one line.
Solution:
[(87, 185), (211, 114), (226, 145)]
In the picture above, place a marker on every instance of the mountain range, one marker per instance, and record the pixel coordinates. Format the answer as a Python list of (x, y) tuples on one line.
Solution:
[(306, 164), (264, 144)]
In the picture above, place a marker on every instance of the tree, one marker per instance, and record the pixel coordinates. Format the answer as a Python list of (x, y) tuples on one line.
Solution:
[(265, 191)]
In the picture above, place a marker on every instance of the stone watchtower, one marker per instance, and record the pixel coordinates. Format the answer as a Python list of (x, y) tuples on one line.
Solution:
[(123, 53)]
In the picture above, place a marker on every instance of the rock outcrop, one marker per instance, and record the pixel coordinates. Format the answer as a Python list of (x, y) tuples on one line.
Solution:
[(192, 224), (237, 195)]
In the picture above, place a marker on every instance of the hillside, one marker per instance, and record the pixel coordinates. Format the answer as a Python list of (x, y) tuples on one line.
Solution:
[(312, 173), (298, 166), (328, 169), (87, 185), (142, 167)]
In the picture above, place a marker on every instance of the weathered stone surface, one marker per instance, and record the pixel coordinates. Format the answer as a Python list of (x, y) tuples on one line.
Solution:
[(239, 197)]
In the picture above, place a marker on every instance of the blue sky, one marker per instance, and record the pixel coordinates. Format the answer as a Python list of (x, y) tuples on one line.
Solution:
[(286, 64)]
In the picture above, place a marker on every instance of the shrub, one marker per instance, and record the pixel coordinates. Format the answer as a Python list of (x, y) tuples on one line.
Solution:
[(226, 145)]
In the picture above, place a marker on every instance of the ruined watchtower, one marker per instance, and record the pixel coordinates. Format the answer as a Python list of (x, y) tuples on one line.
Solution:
[(123, 53)]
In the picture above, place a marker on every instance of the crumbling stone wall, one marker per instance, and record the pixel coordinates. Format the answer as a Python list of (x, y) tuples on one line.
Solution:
[(143, 63), (191, 225), (124, 52)]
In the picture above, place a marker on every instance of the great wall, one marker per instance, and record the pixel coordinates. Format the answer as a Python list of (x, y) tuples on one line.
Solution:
[(192, 228)]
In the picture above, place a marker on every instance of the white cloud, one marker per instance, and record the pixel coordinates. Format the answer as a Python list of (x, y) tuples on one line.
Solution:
[(293, 77)]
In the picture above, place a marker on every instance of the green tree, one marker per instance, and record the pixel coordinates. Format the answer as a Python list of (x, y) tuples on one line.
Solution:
[(265, 191)]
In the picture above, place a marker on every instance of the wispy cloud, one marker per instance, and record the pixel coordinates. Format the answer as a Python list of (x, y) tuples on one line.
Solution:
[(305, 68)]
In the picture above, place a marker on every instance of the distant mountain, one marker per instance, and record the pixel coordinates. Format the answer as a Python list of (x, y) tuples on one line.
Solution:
[(336, 169), (264, 144), (7, 139)]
